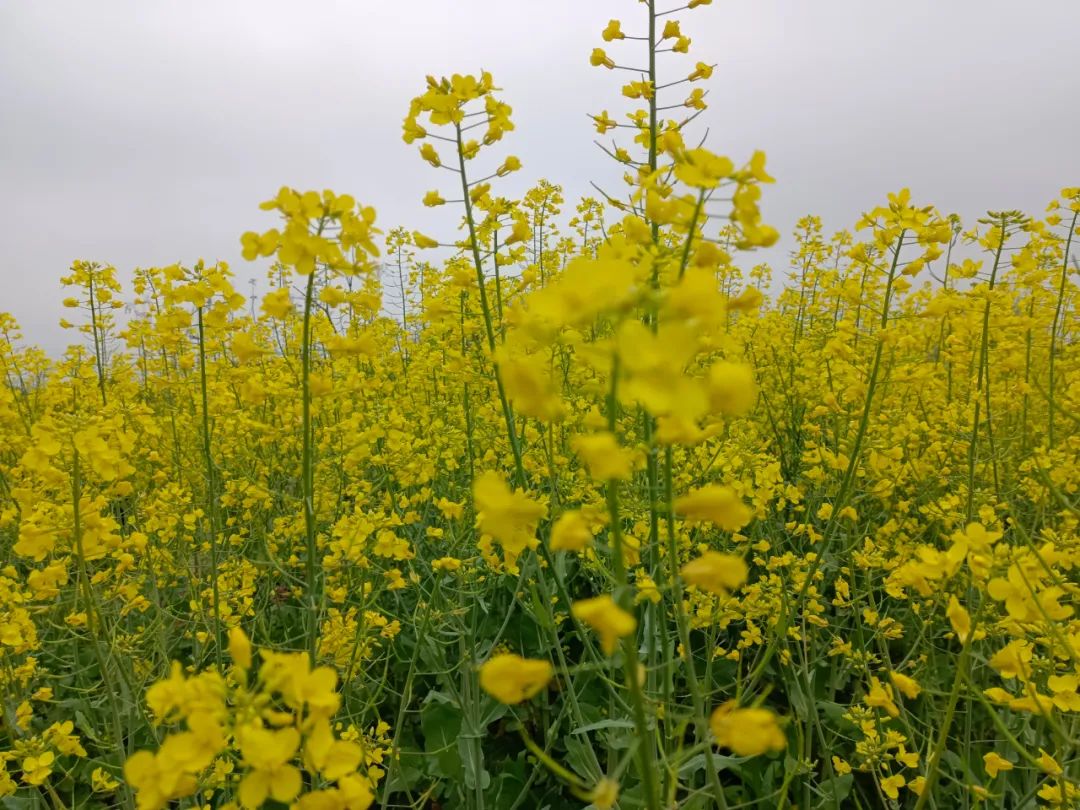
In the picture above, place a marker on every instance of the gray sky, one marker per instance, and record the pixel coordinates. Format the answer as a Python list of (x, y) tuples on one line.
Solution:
[(142, 133)]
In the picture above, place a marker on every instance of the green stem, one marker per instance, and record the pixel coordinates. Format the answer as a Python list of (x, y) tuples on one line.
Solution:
[(94, 616), (933, 767), (211, 493), (307, 476), (1054, 328)]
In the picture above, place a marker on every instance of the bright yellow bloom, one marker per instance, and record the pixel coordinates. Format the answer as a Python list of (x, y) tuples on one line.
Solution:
[(879, 696), (609, 620), (717, 504), (731, 387), (1013, 660), (891, 785), (959, 619), (446, 564), (433, 198), (613, 31), (606, 460), (510, 516), (277, 303), (239, 648), (327, 756), (747, 732), (268, 754), (424, 242), (512, 679), (716, 572), (570, 532), (102, 781), (702, 169), (37, 769), (1049, 764), (908, 687), (600, 59), (995, 764)]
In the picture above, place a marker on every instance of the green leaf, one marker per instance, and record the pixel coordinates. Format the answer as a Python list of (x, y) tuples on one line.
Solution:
[(440, 721), (602, 724)]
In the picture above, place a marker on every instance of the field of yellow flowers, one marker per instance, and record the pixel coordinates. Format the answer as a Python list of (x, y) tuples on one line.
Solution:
[(578, 515)]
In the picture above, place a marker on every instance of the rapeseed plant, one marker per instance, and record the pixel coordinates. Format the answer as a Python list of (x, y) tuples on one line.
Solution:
[(576, 514)]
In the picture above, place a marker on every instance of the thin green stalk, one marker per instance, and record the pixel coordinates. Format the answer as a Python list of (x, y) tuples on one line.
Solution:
[(981, 381), (645, 758), (934, 765), (701, 723), (489, 329), (211, 493), (307, 476), (1054, 329), (94, 616)]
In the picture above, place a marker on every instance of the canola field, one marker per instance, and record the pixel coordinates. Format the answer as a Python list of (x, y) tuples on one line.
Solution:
[(576, 506)]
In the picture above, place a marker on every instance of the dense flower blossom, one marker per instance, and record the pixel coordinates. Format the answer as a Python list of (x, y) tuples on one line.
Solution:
[(273, 547)]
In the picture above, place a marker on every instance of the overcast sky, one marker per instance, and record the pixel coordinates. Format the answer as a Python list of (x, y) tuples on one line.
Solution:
[(142, 133)]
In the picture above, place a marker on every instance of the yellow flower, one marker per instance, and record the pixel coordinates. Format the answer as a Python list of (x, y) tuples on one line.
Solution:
[(645, 589), (424, 242), (529, 385), (102, 782), (1013, 660), (34, 542), (701, 71), (606, 460), (891, 785), (433, 198), (603, 122), (510, 165), (1049, 764), (333, 296), (747, 732), (570, 532), (428, 153), (908, 687), (731, 386), (609, 620), (880, 697), (268, 755), (277, 303), (600, 59), (959, 619), (702, 169), (908, 758), (245, 348), (716, 573), (446, 564), (37, 769), (156, 781), (717, 504), (509, 516), (512, 679), (636, 89), (61, 736), (239, 647), (193, 750), (256, 245), (613, 31), (994, 764), (331, 758)]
